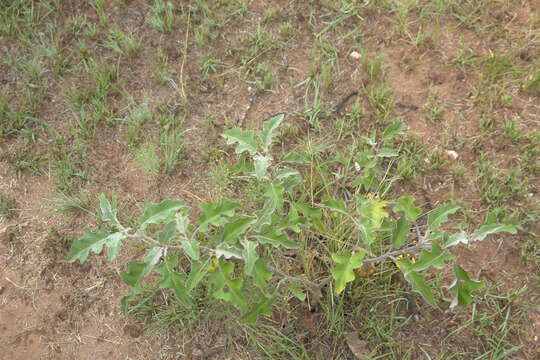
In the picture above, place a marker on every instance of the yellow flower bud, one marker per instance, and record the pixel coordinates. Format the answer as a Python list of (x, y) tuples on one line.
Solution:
[(215, 264)]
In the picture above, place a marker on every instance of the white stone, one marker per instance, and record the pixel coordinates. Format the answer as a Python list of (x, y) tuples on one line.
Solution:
[(451, 153), (355, 55)]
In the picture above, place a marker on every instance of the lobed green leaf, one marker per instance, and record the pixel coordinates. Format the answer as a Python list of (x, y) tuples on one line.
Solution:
[(314, 215), (419, 285), (291, 221), (232, 230), (439, 215), (372, 211), (216, 213), (168, 232), (405, 205), (268, 133), (191, 247), (137, 271), (227, 288), (133, 276), (289, 178), (343, 271), (297, 291), (108, 211), (94, 241), (174, 281), (197, 273), (262, 308), (463, 286), (163, 212), (249, 255), (337, 206), (244, 140), (396, 128), (295, 158), (436, 258), (274, 193), (227, 251), (457, 238), (487, 229), (151, 258), (274, 202), (261, 274), (270, 236), (182, 223), (400, 232), (261, 164)]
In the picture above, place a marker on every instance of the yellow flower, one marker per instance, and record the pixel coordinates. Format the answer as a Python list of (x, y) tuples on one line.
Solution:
[(215, 264)]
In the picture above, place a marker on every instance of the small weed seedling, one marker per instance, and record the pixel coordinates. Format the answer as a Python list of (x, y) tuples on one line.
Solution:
[(7, 206)]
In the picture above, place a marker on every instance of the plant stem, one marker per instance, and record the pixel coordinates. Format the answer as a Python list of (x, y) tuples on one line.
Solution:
[(391, 254)]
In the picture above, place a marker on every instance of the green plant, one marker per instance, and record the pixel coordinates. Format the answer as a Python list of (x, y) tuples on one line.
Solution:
[(22, 162), (7, 206), (162, 18), (496, 186), (121, 43), (288, 31), (13, 118), (79, 203), (211, 65), (140, 114), (466, 57), (99, 6), (381, 100), (234, 249), (434, 111), (313, 109), (146, 157), (513, 131), (373, 66), (259, 42), (264, 79), (172, 146), (33, 67), (68, 166)]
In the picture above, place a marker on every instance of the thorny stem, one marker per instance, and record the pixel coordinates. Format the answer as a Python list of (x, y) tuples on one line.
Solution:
[(310, 284), (418, 246)]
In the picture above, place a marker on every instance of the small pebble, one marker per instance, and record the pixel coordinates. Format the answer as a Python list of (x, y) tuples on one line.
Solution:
[(451, 153), (355, 55)]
